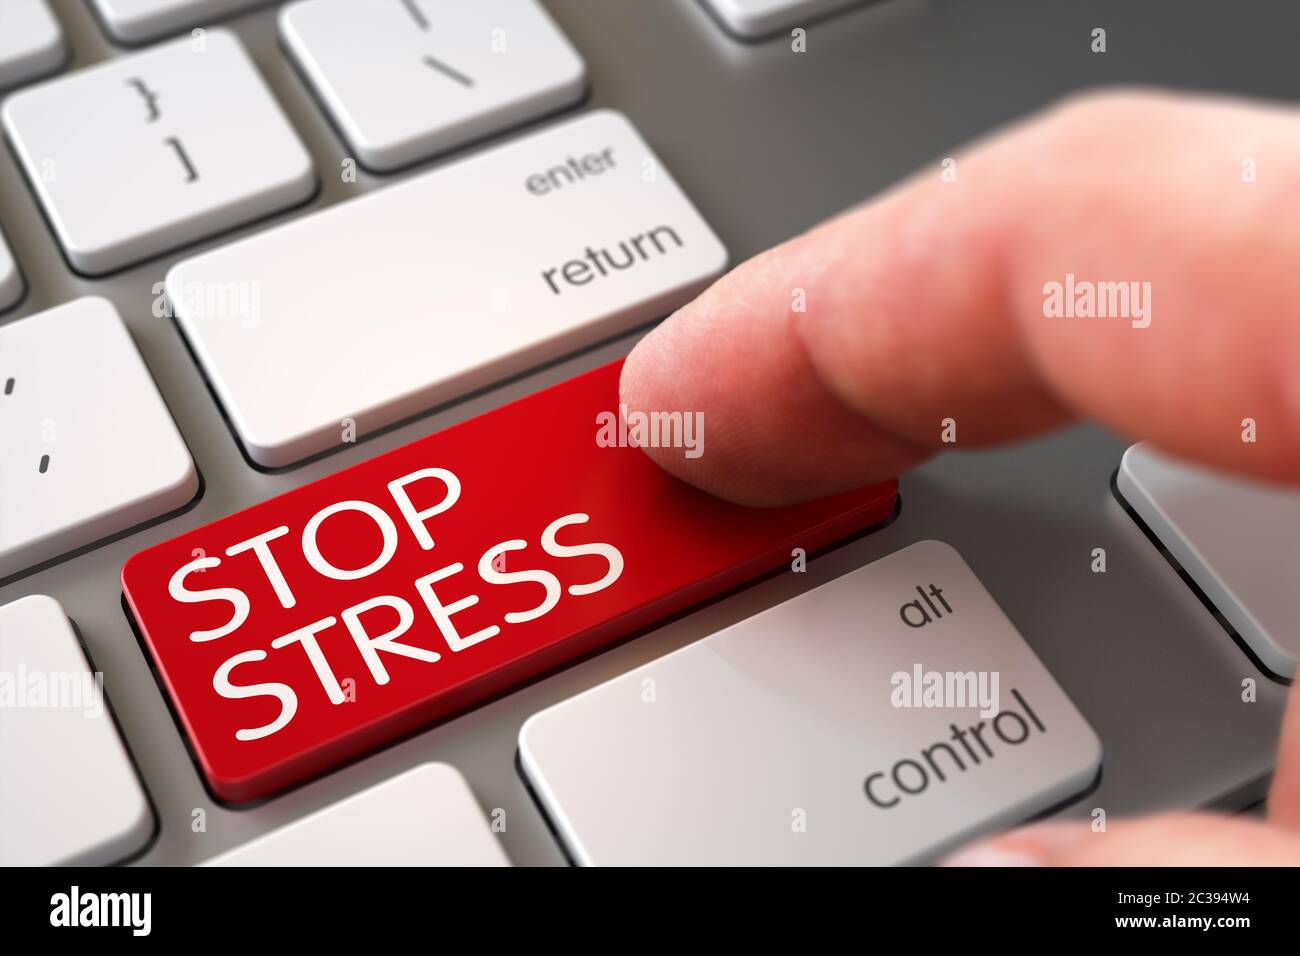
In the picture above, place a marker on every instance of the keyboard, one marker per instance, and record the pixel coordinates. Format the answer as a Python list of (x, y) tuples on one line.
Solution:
[(324, 540)]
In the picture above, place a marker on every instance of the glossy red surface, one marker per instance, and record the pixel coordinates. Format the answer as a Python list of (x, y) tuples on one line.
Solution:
[(520, 468)]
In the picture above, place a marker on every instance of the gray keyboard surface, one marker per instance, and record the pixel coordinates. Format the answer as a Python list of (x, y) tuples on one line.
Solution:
[(766, 142)]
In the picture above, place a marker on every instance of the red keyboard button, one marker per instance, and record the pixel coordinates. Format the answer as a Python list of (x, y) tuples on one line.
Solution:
[(323, 623)]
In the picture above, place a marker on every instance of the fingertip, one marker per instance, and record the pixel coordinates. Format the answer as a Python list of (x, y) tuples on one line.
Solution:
[(1039, 844), (775, 433), (989, 854), (652, 378)]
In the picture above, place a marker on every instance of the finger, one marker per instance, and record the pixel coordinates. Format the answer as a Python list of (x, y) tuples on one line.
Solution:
[(928, 305), (1284, 793), (1183, 839)]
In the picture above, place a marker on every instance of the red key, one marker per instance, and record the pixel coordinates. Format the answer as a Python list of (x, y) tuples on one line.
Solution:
[(335, 618)]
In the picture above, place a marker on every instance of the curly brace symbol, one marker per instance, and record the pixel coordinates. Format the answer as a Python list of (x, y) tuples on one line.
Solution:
[(149, 96)]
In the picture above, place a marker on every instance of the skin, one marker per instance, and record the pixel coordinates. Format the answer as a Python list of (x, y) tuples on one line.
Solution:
[(927, 303)]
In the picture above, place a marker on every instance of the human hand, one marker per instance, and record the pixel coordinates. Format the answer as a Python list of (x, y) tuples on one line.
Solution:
[(928, 304)]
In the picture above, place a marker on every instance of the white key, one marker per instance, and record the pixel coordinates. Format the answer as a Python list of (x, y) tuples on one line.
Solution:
[(69, 794), (381, 307), (781, 739), (426, 816), (89, 447), (186, 141), (31, 41), (11, 280), (1238, 540), (138, 21), (405, 79), (754, 19)]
